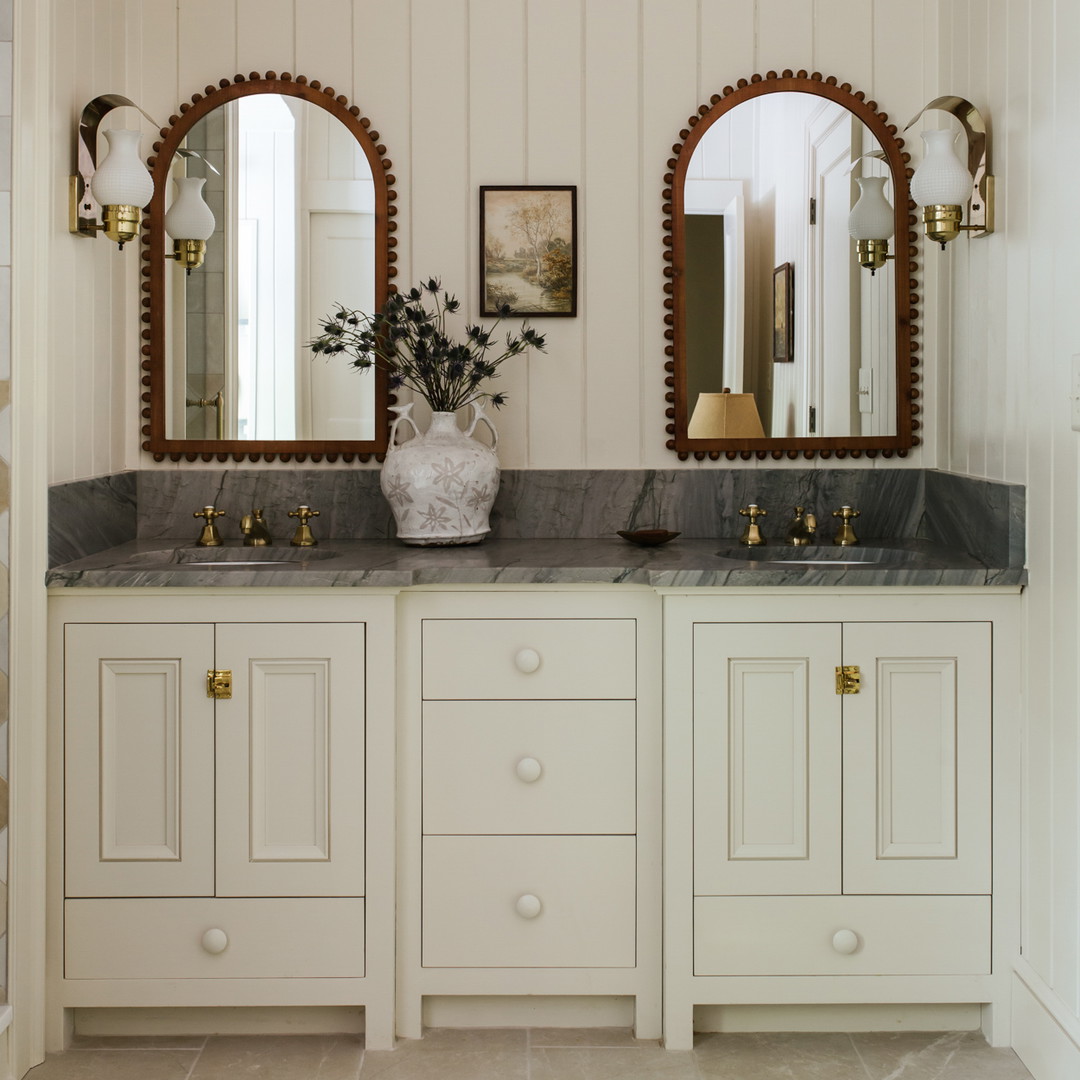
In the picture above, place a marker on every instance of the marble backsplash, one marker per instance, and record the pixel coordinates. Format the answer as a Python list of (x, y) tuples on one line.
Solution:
[(977, 516)]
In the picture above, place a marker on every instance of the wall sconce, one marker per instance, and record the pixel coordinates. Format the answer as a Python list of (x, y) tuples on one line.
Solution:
[(118, 189), (871, 223), (189, 222), (943, 184)]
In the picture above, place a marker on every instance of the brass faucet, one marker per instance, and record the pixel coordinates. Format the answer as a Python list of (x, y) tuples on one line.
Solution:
[(256, 533), (752, 536), (209, 537), (845, 534), (802, 528), (303, 537)]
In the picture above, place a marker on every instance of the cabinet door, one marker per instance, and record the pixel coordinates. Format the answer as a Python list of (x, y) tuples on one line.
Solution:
[(767, 760), (917, 759), (138, 760), (290, 775)]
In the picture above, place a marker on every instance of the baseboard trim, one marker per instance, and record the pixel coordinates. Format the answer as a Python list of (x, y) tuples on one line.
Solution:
[(1045, 1033)]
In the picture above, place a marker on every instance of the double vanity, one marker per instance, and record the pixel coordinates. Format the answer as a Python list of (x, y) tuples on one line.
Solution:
[(365, 774)]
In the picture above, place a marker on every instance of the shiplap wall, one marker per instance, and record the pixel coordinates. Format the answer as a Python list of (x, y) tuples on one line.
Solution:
[(464, 93), (1014, 332)]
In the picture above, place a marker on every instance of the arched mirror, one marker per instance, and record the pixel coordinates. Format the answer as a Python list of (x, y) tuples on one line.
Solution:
[(302, 204), (766, 298)]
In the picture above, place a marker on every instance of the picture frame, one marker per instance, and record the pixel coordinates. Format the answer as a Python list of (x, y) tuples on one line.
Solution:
[(783, 349), (528, 250)]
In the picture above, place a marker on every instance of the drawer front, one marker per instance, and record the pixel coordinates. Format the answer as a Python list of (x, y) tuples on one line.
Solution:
[(529, 901), (169, 939), (812, 935), (529, 767), (529, 658)]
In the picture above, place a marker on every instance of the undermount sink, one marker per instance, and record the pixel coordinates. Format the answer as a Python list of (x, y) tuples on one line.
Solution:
[(235, 557), (829, 554)]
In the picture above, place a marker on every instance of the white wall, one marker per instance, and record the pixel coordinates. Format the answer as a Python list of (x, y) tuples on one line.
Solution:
[(1014, 330), (464, 93)]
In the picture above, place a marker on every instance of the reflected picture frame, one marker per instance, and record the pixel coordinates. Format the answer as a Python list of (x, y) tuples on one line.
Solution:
[(783, 348), (528, 250)]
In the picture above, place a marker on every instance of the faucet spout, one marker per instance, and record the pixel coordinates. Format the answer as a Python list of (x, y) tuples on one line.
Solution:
[(802, 528), (256, 533)]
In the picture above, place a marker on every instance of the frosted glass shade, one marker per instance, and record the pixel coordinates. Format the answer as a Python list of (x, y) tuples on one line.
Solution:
[(121, 179), (872, 217), (189, 218), (725, 416), (942, 179)]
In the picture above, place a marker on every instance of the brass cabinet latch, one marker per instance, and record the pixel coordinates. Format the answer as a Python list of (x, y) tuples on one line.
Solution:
[(848, 679), (219, 684)]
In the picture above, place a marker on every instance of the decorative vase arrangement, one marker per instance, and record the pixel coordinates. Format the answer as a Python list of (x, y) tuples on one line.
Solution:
[(441, 483)]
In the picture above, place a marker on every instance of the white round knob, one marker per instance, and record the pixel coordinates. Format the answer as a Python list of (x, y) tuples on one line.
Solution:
[(845, 941), (528, 770), (215, 941), (529, 906), (527, 661)]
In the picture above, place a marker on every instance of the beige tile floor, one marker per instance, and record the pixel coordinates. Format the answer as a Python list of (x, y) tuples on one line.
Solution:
[(536, 1054)]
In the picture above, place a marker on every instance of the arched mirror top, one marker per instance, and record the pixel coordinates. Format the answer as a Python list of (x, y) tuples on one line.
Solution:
[(350, 214), (772, 304)]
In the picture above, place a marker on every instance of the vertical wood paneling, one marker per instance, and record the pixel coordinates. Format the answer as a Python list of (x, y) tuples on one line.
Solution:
[(206, 43), (265, 40), (555, 121), (499, 68), (843, 42), (324, 42), (668, 95), (785, 35), (725, 46)]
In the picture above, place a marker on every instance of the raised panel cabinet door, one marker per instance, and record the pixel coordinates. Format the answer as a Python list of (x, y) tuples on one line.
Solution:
[(290, 773), (138, 760), (917, 742), (767, 761)]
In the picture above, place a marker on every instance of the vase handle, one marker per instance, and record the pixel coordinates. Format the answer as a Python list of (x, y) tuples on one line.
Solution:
[(478, 416), (403, 414)]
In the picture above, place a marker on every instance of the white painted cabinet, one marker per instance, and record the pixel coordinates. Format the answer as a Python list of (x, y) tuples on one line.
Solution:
[(530, 817), (224, 841), (818, 842)]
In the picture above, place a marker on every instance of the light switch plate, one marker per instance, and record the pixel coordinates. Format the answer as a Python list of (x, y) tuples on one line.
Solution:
[(866, 390), (1074, 392)]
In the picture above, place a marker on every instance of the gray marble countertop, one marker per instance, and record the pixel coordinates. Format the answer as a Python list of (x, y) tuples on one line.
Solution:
[(389, 564)]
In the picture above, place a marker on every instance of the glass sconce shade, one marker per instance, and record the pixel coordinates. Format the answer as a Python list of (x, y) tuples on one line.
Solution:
[(942, 179), (872, 217), (189, 218), (122, 179)]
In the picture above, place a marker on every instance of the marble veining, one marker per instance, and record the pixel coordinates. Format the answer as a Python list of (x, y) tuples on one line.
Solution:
[(91, 515), (959, 509)]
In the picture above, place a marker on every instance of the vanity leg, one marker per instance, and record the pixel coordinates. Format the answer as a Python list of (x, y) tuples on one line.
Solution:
[(378, 1027), (678, 1026), (410, 1016), (648, 1018)]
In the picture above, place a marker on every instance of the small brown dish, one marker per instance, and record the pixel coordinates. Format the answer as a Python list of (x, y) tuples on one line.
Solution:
[(648, 537)]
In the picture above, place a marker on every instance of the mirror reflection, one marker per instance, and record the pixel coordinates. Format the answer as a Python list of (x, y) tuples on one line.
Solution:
[(294, 202), (773, 302)]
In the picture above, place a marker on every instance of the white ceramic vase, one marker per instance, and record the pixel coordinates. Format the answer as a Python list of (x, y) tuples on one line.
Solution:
[(441, 483)]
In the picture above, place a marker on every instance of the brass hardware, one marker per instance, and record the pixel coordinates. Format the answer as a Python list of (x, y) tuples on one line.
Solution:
[(303, 537), (752, 536), (219, 684), (217, 402), (209, 537), (256, 533), (873, 254), (942, 223), (845, 534), (188, 254), (802, 528), (848, 679)]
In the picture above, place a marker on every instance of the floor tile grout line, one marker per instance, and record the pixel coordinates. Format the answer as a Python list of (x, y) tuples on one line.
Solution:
[(866, 1068)]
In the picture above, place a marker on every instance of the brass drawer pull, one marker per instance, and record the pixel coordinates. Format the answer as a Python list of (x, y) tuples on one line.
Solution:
[(848, 679), (219, 684)]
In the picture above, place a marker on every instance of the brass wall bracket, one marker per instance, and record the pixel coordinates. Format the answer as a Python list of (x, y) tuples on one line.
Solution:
[(848, 679), (219, 684)]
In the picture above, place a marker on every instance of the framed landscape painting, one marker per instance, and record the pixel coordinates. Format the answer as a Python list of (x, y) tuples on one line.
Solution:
[(783, 350), (528, 250)]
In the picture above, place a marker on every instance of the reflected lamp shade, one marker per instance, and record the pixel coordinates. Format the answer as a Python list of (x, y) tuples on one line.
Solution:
[(872, 217), (942, 179), (189, 218), (122, 179), (725, 416)]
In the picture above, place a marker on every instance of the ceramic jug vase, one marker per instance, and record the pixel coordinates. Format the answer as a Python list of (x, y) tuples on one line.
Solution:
[(441, 483)]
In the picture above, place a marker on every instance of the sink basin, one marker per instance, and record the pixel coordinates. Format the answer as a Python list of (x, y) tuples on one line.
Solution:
[(230, 557), (814, 554)]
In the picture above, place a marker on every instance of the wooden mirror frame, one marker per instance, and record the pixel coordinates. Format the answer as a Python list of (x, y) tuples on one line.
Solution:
[(155, 266), (907, 347)]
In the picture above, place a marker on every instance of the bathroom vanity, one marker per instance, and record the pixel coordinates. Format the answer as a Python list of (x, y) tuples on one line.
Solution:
[(460, 754)]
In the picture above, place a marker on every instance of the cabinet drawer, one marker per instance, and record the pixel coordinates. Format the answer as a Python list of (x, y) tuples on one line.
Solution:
[(529, 658), (474, 914), (529, 766), (163, 939), (794, 935)]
